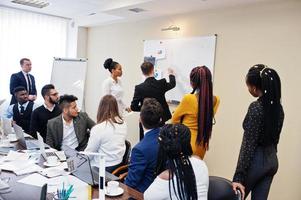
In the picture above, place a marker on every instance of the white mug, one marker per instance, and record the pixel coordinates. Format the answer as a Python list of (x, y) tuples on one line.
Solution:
[(112, 187)]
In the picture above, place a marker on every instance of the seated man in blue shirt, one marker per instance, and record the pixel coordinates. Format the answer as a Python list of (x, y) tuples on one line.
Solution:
[(21, 111), (144, 155)]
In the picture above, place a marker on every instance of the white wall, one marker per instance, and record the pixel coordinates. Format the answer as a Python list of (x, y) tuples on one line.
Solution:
[(260, 33), (72, 37), (82, 40)]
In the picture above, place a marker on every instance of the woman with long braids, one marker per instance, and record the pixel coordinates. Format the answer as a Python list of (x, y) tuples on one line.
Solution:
[(197, 109), (113, 84), (258, 163), (180, 175)]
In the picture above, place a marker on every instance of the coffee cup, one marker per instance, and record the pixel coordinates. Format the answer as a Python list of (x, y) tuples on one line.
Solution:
[(112, 187), (52, 160)]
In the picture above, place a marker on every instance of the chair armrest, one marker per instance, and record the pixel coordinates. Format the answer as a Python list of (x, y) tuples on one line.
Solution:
[(119, 169), (123, 176)]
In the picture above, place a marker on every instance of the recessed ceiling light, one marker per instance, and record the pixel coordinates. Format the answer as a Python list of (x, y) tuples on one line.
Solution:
[(32, 3)]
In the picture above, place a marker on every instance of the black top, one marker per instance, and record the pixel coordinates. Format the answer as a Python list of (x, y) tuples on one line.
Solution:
[(253, 126), (39, 119), (152, 88), (23, 119)]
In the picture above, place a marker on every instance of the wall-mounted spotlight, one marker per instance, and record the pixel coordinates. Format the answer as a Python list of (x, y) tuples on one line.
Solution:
[(171, 28)]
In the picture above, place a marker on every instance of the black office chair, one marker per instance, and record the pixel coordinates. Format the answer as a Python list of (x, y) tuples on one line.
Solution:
[(122, 171), (221, 189), (127, 153)]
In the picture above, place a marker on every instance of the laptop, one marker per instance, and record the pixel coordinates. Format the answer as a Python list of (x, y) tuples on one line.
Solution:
[(84, 171), (7, 129), (29, 145), (59, 154)]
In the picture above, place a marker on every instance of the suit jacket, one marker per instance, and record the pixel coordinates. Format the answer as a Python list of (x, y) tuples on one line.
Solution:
[(18, 79), (143, 162), (82, 125), (152, 88)]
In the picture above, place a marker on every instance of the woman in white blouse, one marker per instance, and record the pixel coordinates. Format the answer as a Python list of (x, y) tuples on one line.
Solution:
[(107, 137), (113, 84), (180, 175)]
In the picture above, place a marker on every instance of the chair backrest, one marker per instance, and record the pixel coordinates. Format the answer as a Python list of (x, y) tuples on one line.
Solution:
[(122, 171), (126, 156), (221, 189)]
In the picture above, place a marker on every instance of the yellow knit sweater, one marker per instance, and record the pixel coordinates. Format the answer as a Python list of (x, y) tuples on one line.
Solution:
[(188, 110)]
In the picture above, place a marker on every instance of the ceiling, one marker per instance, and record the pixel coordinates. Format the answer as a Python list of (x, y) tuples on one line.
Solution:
[(100, 12)]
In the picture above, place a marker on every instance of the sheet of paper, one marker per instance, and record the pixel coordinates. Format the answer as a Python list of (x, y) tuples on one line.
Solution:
[(34, 179), (14, 155), (155, 49), (6, 143), (28, 170), (53, 172), (16, 165)]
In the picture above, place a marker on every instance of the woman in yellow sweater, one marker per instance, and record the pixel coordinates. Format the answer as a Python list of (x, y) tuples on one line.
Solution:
[(197, 109)]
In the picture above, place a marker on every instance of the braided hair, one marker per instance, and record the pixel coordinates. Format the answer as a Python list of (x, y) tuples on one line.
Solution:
[(268, 82), (201, 81), (173, 155), (109, 64)]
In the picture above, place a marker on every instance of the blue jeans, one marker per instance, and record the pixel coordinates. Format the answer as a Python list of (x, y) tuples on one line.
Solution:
[(261, 172)]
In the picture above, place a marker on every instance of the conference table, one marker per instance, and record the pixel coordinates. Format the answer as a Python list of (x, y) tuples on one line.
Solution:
[(20, 191)]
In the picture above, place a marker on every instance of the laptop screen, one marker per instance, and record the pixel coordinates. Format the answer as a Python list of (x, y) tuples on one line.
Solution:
[(20, 135), (84, 171), (7, 126)]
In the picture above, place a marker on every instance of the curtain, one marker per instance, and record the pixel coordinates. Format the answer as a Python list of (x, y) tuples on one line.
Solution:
[(29, 35)]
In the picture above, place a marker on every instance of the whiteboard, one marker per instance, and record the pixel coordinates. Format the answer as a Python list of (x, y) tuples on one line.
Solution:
[(182, 55), (68, 76)]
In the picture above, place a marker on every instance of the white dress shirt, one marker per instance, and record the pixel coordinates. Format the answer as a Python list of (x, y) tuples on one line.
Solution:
[(110, 86), (50, 109), (9, 111), (25, 76), (159, 189), (69, 136), (108, 140)]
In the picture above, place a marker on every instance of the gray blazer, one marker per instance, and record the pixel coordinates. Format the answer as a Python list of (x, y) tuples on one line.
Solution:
[(82, 126)]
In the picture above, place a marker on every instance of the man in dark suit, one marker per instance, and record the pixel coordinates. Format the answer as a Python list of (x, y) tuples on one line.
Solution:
[(144, 155), (71, 128), (23, 78), (152, 88)]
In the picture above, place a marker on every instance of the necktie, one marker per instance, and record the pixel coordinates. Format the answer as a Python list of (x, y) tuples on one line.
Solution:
[(21, 109), (29, 83)]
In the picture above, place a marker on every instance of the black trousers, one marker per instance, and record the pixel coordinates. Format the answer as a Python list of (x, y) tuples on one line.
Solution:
[(262, 170)]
